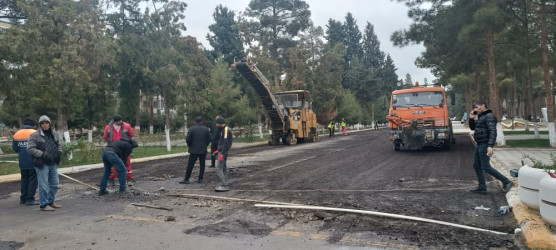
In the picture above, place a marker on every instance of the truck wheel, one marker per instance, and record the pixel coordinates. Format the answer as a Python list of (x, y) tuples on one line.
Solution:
[(293, 141), (286, 140), (396, 146), (447, 143)]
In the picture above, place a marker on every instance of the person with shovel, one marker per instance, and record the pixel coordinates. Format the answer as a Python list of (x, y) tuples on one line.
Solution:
[(224, 146)]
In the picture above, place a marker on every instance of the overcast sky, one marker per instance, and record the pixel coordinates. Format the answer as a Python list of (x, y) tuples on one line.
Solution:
[(385, 15)]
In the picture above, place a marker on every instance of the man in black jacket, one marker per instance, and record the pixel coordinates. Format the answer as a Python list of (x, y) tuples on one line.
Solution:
[(197, 139), (483, 122), (115, 154)]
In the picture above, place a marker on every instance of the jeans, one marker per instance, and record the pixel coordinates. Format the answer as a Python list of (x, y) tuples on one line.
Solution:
[(191, 163), (112, 159), (48, 183), (222, 170), (482, 163), (28, 185)]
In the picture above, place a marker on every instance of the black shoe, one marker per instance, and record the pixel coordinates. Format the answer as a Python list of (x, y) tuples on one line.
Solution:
[(31, 203), (122, 191), (508, 186), (212, 166), (185, 182), (478, 190), (200, 181), (102, 192)]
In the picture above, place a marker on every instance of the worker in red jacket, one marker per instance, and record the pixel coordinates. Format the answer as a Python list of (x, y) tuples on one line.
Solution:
[(116, 130)]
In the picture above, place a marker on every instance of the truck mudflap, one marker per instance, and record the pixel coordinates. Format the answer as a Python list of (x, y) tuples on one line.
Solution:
[(415, 138)]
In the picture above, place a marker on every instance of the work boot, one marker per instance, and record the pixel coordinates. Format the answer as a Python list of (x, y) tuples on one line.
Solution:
[(478, 190), (221, 188), (185, 182), (47, 208), (31, 203), (52, 205), (103, 192), (508, 186)]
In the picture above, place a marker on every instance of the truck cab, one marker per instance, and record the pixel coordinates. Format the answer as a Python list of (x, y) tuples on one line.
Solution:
[(418, 117)]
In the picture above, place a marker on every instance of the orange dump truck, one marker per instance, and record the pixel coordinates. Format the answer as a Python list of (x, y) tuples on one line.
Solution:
[(418, 117)]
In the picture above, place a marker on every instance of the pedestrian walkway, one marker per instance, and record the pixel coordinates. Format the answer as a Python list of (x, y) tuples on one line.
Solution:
[(537, 234)]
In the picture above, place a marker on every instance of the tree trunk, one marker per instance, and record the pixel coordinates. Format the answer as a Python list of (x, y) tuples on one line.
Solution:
[(468, 98), (478, 83), (138, 113), (373, 114), (260, 125), (493, 89), (547, 83), (151, 115), (167, 121)]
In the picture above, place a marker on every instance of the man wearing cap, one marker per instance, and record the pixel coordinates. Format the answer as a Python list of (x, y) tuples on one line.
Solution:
[(224, 146), (44, 145), (114, 131), (28, 173), (197, 139)]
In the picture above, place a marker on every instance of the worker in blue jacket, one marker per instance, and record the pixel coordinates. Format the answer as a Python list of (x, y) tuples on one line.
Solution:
[(26, 166)]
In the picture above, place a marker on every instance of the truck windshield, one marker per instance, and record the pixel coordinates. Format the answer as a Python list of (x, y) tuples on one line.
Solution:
[(427, 98), (288, 100)]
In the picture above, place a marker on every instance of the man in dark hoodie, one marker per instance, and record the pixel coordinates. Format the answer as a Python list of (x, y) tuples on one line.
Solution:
[(483, 121), (115, 154), (28, 173), (224, 146), (45, 147)]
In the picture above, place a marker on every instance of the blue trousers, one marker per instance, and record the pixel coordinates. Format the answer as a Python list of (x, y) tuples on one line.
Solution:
[(48, 184)]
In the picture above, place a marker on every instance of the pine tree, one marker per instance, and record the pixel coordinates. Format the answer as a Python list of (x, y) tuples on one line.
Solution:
[(352, 40), (225, 38), (373, 57), (334, 32), (276, 23)]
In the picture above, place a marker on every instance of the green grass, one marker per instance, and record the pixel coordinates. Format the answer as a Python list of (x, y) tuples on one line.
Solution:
[(524, 132), (254, 138), (90, 157), (529, 143), (7, 149)]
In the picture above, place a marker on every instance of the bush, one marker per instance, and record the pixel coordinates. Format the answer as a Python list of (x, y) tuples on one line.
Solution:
[(539, 164)]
